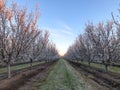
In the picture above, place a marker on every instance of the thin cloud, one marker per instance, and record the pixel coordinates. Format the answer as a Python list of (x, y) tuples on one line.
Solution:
[(67, 32), (66, 27), (56, 35)]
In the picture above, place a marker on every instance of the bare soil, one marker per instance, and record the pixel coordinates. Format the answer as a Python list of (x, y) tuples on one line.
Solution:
[(36, 81), (109, 80), (20, 82)]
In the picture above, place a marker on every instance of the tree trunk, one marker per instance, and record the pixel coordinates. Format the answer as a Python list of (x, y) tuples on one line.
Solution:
[(8, 70), (89, 63), (31, 63), (106, 67), (77, 61), (81, 61)]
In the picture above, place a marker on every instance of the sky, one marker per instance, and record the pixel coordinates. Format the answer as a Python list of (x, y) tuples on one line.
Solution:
[(65, 19)]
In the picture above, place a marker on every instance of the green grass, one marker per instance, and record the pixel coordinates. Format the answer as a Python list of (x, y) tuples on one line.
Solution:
[(114, 69), (93, 64), (101, 66), (64, 77), (18, 67)]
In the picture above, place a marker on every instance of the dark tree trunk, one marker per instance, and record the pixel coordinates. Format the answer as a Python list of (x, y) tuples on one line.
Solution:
[(106, 67), (89, 63), (31, 61)]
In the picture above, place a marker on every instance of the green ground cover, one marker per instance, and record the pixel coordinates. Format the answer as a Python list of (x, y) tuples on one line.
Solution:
[(64, 77)]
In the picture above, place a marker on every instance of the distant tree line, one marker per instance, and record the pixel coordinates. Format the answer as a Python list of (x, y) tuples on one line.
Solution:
[(20, 38)]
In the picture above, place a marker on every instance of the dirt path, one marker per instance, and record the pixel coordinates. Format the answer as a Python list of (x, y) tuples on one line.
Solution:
[(34, 82)]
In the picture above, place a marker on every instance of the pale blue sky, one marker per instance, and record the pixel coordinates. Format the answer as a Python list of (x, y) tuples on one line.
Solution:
[(65, 19)]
